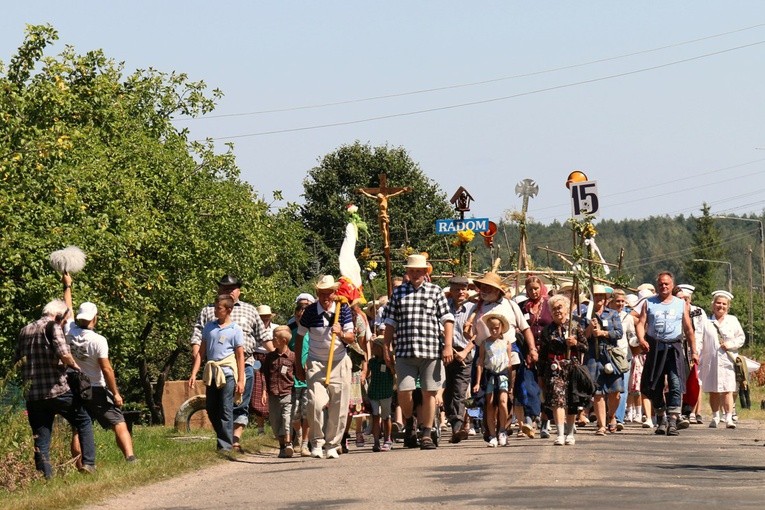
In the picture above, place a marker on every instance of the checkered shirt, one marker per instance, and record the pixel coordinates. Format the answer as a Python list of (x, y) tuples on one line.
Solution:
[(246, 316), (418, 315), (43, 370)]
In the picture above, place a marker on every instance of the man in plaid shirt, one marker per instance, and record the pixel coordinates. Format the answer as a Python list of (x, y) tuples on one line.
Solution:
[(418, 315), (246, 316), (43, 347)]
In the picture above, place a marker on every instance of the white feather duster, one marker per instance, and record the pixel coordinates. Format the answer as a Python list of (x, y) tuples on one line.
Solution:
[(69, 260)]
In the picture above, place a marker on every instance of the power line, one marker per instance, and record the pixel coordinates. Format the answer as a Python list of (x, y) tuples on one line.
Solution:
[(472, 84), (485, 101)]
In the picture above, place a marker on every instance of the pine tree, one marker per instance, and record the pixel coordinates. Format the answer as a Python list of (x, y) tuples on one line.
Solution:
[(707, 247)]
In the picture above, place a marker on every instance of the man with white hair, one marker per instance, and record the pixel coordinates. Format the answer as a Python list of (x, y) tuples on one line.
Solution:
[(47, 356)]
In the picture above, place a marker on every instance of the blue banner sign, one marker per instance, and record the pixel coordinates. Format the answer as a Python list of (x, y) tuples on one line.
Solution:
[(452, 226)]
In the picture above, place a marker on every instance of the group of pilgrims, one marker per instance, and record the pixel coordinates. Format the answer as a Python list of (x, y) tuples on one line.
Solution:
[(541, 362)]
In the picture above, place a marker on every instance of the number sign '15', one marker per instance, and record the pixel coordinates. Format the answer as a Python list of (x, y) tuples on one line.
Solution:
[(584, 199)]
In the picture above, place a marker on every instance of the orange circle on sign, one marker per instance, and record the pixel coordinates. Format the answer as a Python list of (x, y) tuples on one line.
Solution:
[(575, 176)]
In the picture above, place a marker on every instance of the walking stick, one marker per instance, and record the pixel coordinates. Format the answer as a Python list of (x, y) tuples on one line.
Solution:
[(338, 305)]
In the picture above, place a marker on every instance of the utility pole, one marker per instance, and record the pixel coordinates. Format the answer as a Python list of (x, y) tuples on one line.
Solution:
[(751, 298)]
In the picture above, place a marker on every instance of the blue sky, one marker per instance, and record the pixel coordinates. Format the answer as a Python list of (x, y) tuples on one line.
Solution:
[(657, 141)]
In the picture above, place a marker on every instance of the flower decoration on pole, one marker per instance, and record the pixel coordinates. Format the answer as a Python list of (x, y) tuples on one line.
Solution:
[(464, 237), (462, 240)]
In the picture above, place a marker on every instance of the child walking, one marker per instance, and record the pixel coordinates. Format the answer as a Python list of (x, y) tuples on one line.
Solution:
[(380, 393), (279, 370), (494, 361)]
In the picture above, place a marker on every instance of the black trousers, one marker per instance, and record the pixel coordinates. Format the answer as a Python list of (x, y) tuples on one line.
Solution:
[(455, 392)]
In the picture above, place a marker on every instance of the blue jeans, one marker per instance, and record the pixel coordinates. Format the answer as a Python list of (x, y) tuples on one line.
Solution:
[(41, 414), (242, 411), (621, 410), (672, 403), (220, 411)]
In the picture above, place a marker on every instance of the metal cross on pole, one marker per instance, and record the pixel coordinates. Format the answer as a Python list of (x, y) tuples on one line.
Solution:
[(526, 189), (381, 194)]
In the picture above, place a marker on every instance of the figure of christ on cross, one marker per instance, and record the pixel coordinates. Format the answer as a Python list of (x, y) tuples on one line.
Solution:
[(381, 194)]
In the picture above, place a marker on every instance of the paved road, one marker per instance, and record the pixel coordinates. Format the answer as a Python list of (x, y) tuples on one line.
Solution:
[(703, 468)]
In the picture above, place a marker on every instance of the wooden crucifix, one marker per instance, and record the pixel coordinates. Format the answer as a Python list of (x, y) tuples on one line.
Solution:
[(381, 194)]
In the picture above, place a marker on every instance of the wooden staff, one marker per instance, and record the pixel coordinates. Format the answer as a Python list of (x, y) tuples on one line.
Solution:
[(338, 305)]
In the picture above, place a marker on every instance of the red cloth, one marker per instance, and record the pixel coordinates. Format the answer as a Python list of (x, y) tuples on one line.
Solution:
[(692, 388)]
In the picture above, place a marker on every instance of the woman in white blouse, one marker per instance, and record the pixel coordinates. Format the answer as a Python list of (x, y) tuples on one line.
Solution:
[(723, 337)]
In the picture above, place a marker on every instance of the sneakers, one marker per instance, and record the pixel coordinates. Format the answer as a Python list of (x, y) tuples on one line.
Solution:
[(713, 423), (87, 469), (672, 427), (699, 419), (471, 431), (318, 453), (619, 426), (288, 451), (570, 440), (661, 430), (305, 451), (376, 447), (559, 441), (544, 434), (492, 442), (386, 446), (332, 453), (730, 424), (648, 423), (502, 439), (683, 423)]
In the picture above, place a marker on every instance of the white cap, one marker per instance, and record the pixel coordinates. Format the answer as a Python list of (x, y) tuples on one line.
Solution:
[(687, 288), (723, 293), (304, 296), (87, 311)]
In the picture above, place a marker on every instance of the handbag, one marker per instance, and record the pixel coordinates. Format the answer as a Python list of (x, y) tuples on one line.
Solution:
[(80, 384), (618, 359)]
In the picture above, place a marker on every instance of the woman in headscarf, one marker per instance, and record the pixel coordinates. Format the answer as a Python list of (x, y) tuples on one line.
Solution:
[(537, 313), (723, 337)]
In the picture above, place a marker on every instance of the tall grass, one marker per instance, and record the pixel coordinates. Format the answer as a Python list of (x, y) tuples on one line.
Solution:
[(162, 453)]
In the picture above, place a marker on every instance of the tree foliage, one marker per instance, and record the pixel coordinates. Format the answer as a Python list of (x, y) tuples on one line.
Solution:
[(707, 247), (90, 157), (331, 186)]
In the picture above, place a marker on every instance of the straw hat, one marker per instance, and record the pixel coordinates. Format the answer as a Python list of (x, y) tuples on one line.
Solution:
[(501, 317), (416, 261), (327, 282), (490, 279), (264, 310)]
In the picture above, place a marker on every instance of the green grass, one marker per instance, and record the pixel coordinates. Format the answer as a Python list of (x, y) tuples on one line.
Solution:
[(163, 454)]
